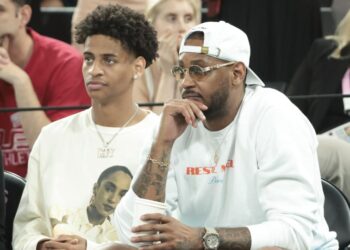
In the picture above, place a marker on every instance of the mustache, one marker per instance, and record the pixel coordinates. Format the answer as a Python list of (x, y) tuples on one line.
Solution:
[(190, 93)]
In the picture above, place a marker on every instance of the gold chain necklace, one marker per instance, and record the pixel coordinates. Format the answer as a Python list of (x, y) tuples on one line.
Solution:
[(106, 151), (216, 155)]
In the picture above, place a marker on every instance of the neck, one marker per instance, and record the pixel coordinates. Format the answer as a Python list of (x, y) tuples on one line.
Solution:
[(21, 48), (113, 115), (232, 109), (94, 217)]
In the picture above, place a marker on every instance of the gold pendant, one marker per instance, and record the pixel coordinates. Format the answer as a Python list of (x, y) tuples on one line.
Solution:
[(105, 152), (216, 158)]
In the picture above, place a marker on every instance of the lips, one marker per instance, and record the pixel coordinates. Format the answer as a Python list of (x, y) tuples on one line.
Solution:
[(95, 85), (191, 95), (108, 208)]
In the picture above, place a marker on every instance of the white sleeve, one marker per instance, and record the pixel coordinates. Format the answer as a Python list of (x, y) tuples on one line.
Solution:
[(123, 216), (288, 182), (31, 223), (171, 198)]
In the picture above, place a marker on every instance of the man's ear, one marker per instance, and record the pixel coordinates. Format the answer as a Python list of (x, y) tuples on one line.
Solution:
[(139, 67), (25, 13), (238, 72)]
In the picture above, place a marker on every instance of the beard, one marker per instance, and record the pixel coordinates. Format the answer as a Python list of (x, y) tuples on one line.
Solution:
[(218, 100)]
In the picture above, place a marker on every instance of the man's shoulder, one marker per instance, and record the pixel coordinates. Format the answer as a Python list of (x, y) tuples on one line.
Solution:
[(265, 97), (73, 123), (261, 100)]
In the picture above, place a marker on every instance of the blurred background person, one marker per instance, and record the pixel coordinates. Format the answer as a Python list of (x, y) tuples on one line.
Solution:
[(325, 70), (35, 71), (171, 19)]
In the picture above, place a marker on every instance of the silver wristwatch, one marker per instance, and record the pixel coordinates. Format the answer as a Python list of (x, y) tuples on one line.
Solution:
[(211, 239)]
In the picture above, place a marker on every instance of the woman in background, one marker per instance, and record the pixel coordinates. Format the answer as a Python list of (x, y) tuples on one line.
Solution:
[(171, 19), (324, 71)]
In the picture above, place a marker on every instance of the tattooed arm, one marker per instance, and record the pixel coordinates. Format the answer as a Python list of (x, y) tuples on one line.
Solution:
[(152, 181), (176, 116), (234, 238)]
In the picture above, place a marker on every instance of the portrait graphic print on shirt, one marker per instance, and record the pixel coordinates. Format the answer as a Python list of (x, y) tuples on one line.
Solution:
[(92, 221)]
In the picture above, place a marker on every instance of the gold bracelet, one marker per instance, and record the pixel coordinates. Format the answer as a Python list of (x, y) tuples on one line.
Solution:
[(160, 163)]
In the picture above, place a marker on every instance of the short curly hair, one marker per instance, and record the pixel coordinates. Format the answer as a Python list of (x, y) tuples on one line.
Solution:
[(124, 24)]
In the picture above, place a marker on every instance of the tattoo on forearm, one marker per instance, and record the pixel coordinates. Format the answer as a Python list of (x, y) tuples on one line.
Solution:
[(152, 181), (234, 238)]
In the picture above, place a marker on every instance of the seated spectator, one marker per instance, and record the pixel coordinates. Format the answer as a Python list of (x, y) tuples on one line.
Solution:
[(71, 153), (34, 71), (222, 157), (171, 19), (325, 70)]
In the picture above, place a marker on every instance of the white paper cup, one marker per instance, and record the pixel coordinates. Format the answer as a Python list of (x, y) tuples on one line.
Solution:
[(144, 206)]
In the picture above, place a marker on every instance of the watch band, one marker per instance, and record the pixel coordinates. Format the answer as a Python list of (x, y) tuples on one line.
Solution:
[(210, 230), (211, 239)]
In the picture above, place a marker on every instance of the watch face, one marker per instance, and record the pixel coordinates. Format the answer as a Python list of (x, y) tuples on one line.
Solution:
[(212, 241)]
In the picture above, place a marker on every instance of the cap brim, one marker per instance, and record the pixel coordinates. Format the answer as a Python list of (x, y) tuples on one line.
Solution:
[(253, 79)]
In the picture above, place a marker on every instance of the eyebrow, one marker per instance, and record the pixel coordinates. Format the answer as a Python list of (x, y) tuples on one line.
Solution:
[(197, 62), (194, 62), (102, 55), (109, 55), (111, 184)]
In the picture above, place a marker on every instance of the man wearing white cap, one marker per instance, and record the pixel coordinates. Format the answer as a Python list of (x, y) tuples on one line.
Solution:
[(237, 161)]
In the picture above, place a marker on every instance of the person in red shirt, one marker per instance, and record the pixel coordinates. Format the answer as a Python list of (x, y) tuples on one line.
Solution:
[(34, 71)]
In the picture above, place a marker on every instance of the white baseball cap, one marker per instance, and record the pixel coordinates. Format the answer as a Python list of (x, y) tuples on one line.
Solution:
[(223, 41)]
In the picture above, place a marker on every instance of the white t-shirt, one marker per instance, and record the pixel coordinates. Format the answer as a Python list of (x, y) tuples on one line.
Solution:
[(267, 177), (64, 167)]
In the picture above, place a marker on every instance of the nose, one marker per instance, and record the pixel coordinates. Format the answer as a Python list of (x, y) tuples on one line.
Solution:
[(95, 69), (182, 28), (187, 82), (114, 198)]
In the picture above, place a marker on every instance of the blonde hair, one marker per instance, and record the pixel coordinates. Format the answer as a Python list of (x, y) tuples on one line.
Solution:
[(341, 36), (153, 8)]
